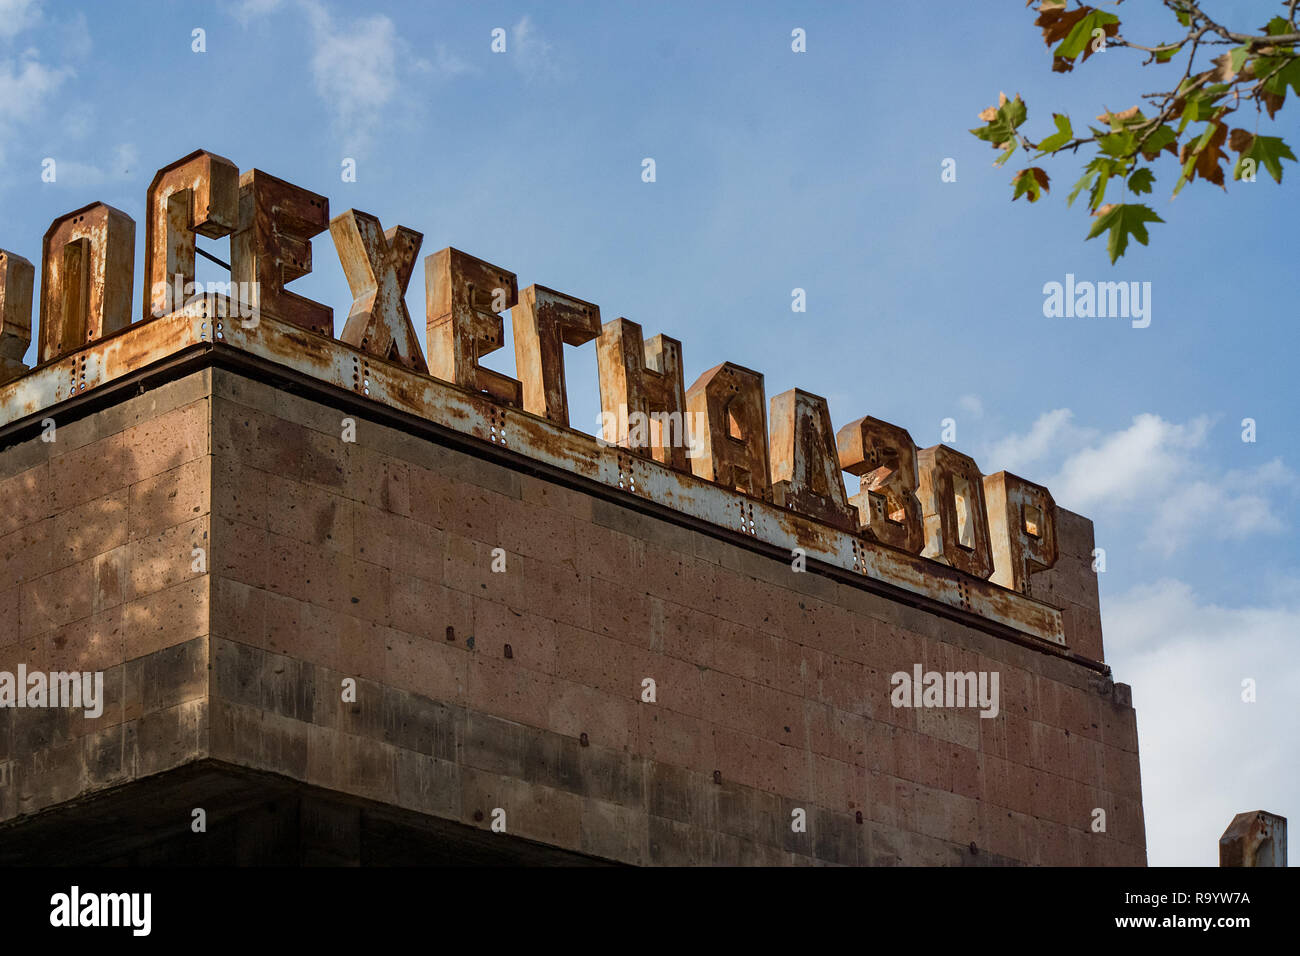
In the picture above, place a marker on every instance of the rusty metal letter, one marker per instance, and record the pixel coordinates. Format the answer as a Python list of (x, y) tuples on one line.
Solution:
[(273, 247), (17, 277), (1022, 529), (87, 274), (727, 402), (378, 265), (805, 468), (952, 503), (884, 457), (463, 296), (544, 322), (197, 194), (641, 390)]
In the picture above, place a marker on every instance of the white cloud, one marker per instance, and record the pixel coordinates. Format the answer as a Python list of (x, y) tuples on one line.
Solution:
[(1143, 459), (357, 65), (78, 120), (1157, 468), (1207, 755), (446, 62), (246, 10), (17, 15), (1052, 431), (25, 84), (1236, 505), (120, 166), (530, 51), (971, 405), (1152, 476), (75, 37), (355, 70)]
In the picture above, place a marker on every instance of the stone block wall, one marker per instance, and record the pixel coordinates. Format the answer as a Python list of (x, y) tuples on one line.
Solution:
[(520, 690), (98, 573)]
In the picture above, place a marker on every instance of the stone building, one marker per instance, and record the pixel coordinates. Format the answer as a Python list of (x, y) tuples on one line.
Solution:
[(360, 600)]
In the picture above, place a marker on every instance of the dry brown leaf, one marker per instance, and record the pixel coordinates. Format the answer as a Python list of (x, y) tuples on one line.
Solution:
[(1240, 140), (1223, 71), (1108, 30), (1208, 159), (990, 114), (1057, 22), (1120, 117)]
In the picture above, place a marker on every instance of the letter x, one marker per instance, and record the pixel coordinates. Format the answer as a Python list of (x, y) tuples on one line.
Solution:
[(378, 265)]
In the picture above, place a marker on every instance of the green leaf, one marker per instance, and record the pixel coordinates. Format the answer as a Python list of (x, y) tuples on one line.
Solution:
[(1088, 177), (1267, 151), (1015, 111), (1186, 175), (1237, 56), (1277, 84), (1104, 168), (1287, 75), (1200, 104), (1097, 174), (1163, 137), (1078, 38), (1117, 144), (1001, 128), (1164, 56), (1124, 220), (1004, 123), (1277, 26), (1291, 74), (1141, 180), (1031, 182), (1064, 133), (1098, 190)]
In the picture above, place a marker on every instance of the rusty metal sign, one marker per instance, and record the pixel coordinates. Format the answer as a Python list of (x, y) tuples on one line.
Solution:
[(924, 521)]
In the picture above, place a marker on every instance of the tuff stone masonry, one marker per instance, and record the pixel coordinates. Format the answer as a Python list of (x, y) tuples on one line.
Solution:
[(373, 560), (354, 612)]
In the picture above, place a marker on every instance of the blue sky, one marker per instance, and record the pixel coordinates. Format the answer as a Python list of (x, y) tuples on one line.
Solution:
[(777, 170)]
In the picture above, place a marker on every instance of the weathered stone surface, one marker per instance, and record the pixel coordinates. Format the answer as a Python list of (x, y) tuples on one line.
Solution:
[(350, 632)]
